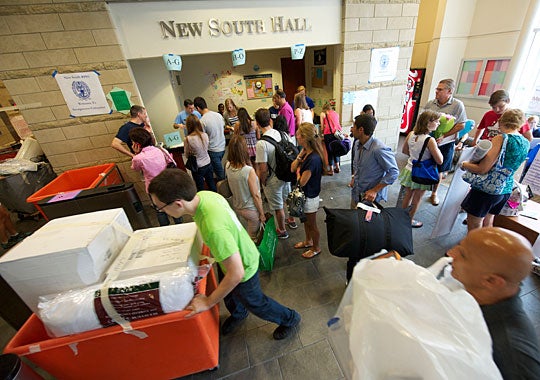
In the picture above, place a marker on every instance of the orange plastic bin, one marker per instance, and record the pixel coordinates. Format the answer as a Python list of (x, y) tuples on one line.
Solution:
[(175, 346), (77, 179)]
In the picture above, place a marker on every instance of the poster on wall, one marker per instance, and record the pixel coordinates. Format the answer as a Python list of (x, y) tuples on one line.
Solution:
[(319, 57), (259, 86), (83, 93), (383, 66)]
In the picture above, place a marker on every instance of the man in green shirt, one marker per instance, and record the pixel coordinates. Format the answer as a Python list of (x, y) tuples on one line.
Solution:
[(174, 192)]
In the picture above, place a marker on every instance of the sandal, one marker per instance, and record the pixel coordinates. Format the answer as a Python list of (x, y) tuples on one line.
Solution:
[(302, 244), (416, 224), (309, 254)]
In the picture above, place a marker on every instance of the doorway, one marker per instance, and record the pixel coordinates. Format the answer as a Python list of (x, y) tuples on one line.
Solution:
[(293, 74)]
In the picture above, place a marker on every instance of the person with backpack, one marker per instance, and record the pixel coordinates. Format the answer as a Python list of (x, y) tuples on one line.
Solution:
[(274, 156)]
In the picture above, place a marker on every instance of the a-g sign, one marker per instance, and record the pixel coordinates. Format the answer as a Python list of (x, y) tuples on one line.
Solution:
[(297, 51), (173, 62), (238, 57)]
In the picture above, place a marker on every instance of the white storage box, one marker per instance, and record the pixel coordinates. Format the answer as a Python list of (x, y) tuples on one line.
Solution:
[(158, 249), (66, 253)]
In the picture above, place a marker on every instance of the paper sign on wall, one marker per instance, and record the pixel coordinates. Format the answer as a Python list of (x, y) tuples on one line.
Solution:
[(384, 64), (83, 93)]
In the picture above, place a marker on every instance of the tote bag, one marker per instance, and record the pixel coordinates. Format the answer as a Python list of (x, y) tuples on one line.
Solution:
[(425, 172)]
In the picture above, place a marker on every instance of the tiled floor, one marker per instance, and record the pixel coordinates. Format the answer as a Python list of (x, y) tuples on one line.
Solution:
[(314, 288)]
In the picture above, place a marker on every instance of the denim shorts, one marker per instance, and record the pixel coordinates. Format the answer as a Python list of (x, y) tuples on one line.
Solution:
[(274, 192), (311, 205), (479, 204)]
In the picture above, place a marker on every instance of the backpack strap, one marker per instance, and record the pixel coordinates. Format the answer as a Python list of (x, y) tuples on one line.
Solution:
[(274, 142)]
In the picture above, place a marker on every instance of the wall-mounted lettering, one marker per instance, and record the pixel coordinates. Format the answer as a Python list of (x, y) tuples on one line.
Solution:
[(183, 29), (228, 28)]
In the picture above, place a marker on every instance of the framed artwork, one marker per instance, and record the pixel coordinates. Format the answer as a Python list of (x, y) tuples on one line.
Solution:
[(319, 57), (481, 77)]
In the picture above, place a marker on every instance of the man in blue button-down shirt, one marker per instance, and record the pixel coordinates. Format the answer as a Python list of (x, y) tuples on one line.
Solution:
[(374, 165)]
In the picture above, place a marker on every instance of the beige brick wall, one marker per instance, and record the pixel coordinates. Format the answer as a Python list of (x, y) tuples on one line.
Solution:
[(41, 36), (370, 24)]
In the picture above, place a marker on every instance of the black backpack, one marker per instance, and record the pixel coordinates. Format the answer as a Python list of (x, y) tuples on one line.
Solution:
[(286, 153)]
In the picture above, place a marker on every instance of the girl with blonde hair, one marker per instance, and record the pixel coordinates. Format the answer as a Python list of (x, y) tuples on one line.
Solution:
[(309, 167)]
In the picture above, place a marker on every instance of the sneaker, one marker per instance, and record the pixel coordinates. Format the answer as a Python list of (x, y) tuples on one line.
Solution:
[(282, 235), (230, 325), (434, 199), (282, 332), (292, 224)]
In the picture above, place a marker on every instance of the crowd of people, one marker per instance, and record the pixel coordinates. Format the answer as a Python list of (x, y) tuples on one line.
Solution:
[(251, 168)]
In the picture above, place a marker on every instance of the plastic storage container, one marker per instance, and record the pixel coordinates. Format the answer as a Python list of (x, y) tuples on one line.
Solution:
[(15, 189), (78, 179), (100, 198), (174, 347)]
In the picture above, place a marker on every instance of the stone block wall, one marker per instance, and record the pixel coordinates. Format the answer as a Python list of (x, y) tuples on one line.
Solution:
[(369, 24), (40, 36)]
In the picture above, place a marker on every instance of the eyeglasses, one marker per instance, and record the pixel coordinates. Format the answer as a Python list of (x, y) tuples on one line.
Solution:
[(162, 207)]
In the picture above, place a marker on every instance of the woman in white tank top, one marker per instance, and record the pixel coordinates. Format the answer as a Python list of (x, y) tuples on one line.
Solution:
[(302, 113), (427, 122)]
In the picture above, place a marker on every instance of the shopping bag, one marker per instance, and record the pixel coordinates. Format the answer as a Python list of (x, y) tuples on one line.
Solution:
[(268, 245), (397, 321)]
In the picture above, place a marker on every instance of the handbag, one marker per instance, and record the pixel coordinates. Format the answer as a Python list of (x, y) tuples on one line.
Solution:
[(296, 201), (191, 163), (425, 172), (514, 204), (170, 163), (494, 181), (337, 134), (268, 245)]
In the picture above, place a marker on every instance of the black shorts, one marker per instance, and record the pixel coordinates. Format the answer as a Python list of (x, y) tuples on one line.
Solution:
[(447, 151), (479, 204)]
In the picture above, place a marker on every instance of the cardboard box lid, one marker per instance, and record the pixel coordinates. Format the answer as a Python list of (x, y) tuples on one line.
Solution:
[(158, 249)]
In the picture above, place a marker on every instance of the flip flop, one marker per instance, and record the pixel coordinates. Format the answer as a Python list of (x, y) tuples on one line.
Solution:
[(416, 224), (302, 244), (309, 254)]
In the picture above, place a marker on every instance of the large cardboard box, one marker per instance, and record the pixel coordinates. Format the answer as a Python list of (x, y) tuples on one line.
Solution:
[(66, 253), (159, 249)]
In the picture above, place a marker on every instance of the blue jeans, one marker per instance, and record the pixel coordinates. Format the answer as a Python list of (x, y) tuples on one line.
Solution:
[(248, 296), (216, 161), (163, 219), (204, 174)]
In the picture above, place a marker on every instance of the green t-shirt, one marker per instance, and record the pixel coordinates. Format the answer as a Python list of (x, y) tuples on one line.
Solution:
[(223, 233)]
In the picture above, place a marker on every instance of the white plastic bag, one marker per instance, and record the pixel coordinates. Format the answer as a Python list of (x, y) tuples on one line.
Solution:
[(397, 321), (76, 311)]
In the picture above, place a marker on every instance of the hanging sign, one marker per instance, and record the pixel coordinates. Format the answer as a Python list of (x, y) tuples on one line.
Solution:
[(238, 57), (173, 62), (83, 93), (297, 51)]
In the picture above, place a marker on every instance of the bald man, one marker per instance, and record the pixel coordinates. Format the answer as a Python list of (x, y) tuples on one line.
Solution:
[(491, 263)]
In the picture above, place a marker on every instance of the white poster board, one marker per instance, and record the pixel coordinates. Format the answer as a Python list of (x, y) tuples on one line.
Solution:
[(83, 93), (457, 191), (384, 63), (361, 98), (532, 178)]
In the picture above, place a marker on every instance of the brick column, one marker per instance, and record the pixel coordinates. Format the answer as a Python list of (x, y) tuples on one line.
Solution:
[(369, 24)]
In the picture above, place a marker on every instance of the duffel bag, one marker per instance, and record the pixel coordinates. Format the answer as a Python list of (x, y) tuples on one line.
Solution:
[(360, 233)]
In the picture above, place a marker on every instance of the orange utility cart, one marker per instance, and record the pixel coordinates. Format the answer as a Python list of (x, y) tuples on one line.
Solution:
[(174, 347)]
